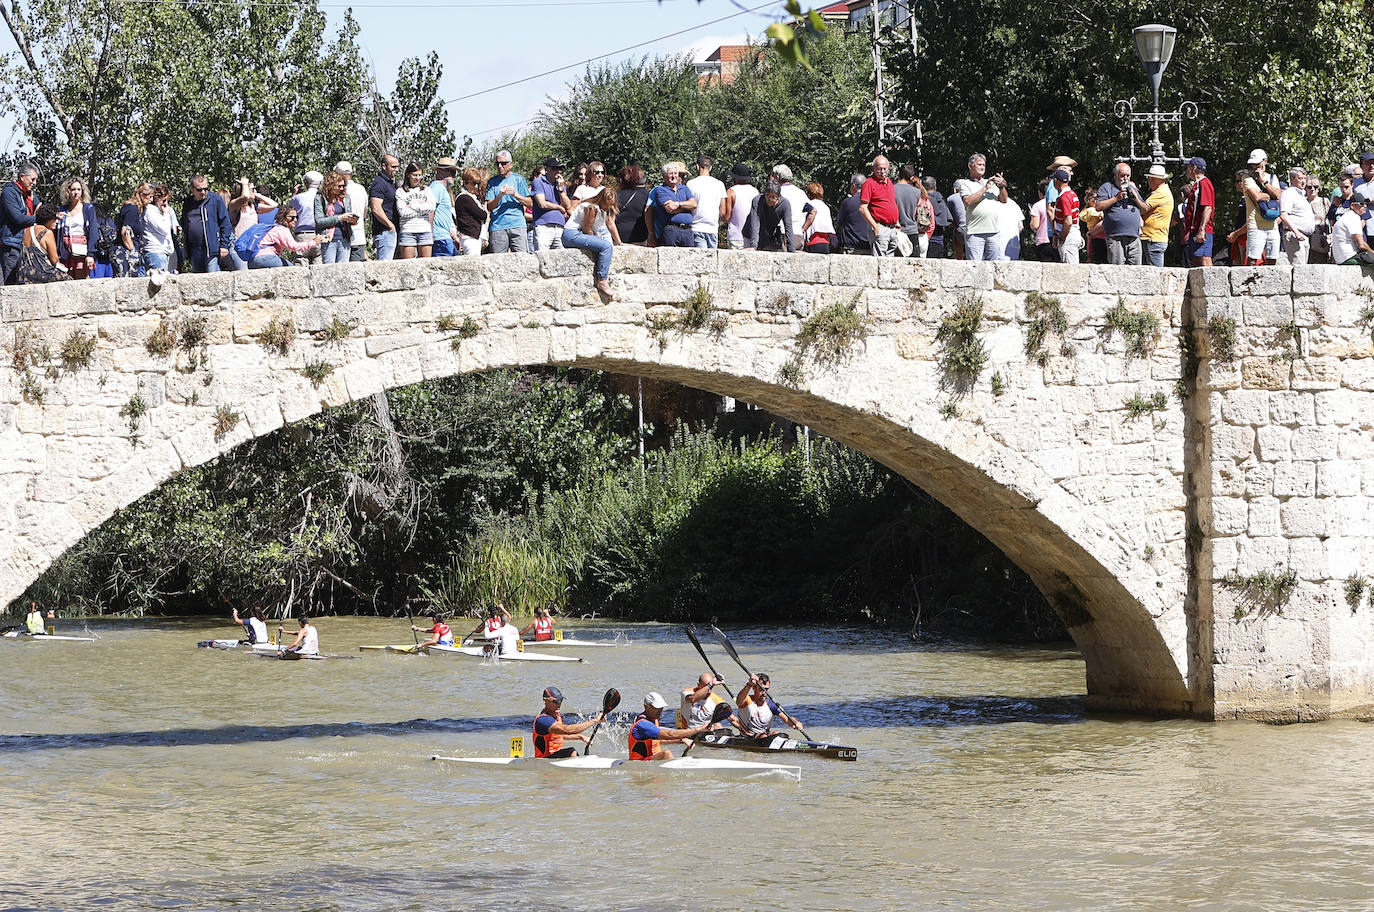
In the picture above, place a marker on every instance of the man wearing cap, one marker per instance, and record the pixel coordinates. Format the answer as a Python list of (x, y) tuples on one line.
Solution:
[(1366, 171), (797, 197), (1064, 228), (646, 734), (304, 205), (1159, 210), (508, 193), (1199, 205), (441, 188), (1261, 234), (1348, 244), (710, 194), (1051, 192), (878, 207), (550, 731), (381, 199), (357, 202), (738, 203), (670, 209), (1120, 203), (551, 206)]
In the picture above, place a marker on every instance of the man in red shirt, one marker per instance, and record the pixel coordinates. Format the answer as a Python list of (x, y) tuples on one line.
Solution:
[(1066, 206), (878, 206), (1199, 204)]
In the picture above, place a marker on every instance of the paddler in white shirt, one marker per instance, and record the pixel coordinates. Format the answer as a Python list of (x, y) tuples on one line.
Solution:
[(440, 633), (254, 625), (698, 703), (307, 641), (490, 627), (33, 622), (757, 711)]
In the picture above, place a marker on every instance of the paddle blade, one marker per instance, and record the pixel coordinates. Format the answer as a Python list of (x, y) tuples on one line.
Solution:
[(727, 645), (722, 713), (610, 701)]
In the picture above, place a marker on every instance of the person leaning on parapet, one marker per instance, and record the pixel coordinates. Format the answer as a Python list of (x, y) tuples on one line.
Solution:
[(738, 203), (1348, 244), (303, 204), (796, 197), (769, 226), (1120, 203), (508, 193), (670, 209), (943, 219), (441, 188), (1159, 210), (1261, 233), (1296, 221), (18, 203), (1199, 207), (381, 202), (878, 207), (850, 225), (907, 194), (205, 227), (357, 197), (982, 198)]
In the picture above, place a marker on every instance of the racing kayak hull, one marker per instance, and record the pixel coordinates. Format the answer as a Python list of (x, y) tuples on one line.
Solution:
[(478, 652), (779, 743), (44, 636), (704, 765), (566, 642)]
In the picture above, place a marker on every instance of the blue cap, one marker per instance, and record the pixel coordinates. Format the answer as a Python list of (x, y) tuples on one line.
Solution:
[(1199, 163), (1062, 175), (553, 693)]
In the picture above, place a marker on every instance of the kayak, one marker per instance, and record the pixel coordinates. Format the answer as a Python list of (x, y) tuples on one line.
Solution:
[(221, 644), (479, 652), (15, 635), (706, 765), (408, 649), (779, 743), (567, 641)]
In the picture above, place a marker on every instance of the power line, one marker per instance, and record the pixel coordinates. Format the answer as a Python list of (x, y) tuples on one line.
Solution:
[(422, 6), (632, 47)]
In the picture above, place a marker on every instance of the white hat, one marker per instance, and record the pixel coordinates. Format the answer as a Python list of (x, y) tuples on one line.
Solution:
[(655, 699), (313, 177), (1257, 156), (782, 172), (344, 168), (1157, 171)]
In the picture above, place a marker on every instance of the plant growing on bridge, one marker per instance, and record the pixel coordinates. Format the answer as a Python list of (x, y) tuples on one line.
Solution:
[(1046, 315), (226, 419), (1138, 405), (1221, 335), (962, 355), (163, 341), (316, 372), (1355, 588), (337, 330), (830, 334), (194, 332), (1139, 328), (31, 389), (76, 351), (468, 329), (133, 411), (278, 335), (695, 313), (1265, 592), (999, 386), (447, 322), (949, 411), (1367, 312)]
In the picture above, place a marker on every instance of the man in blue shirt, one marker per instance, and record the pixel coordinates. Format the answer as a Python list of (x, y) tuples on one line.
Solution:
[(551, 206), (671, 205), (1120, 202), (18, 203), (445, 235), (508, 194), (381, 202), (205, 227)]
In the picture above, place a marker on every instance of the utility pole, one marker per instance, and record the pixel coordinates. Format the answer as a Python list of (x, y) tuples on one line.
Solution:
[(896, 127)]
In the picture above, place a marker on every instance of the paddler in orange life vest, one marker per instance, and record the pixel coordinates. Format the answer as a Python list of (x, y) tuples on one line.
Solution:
[(542, 625), (550, 730), (440, 634), (646, 734), (490, 628)]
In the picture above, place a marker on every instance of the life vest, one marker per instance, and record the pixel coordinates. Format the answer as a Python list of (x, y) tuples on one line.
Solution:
[(641, 748), (550, 743), (445, 635), (493, 625), (34, 622), (543, 628)]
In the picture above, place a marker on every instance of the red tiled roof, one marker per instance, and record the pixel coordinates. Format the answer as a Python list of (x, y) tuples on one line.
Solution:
[(730, 53)]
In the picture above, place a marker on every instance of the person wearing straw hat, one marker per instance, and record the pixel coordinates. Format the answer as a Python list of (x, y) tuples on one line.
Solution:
[(1158, 210)]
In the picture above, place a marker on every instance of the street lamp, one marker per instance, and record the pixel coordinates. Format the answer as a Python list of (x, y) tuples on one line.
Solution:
[(1154, 45)]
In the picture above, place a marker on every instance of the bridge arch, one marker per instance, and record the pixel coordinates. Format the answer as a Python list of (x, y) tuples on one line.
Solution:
[(1070, 495)]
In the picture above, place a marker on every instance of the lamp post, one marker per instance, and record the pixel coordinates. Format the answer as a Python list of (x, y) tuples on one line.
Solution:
[(1154, 45)]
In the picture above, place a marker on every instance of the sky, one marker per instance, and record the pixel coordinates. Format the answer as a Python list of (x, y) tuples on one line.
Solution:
[(486, 43)]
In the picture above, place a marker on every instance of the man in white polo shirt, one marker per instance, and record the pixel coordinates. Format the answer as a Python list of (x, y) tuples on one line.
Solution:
[(710, 194)]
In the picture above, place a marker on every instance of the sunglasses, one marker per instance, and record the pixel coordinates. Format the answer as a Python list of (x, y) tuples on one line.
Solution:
[(599, 171)]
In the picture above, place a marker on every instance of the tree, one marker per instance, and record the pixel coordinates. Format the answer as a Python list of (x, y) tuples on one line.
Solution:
[(412, 123)]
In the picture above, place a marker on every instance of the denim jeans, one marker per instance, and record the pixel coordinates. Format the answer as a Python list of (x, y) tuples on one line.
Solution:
[(266, 261), (980, 247), (336, 250), (235, 259), (443, 247), (199, 262), (156, 260), (709, 240), (1154, 252), (385, 243), (594, 244)]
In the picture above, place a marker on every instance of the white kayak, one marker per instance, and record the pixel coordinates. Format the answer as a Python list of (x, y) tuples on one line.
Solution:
[(569, 642), (220, 644), (476, 652), (707, 765), (19, 634)]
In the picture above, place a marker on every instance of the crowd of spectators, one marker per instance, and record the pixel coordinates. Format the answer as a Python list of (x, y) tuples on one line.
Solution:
[(444, 210)]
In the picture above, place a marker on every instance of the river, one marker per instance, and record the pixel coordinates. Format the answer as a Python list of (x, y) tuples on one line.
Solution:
[(142, 772)]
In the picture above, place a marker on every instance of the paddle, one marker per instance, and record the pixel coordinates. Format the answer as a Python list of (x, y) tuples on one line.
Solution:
[(722, 713), (702, 652), (730, 648), (413, 632), (609, 702)]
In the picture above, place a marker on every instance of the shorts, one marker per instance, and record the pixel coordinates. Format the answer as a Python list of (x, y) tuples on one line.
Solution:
[(1196, 249), (415, 239)]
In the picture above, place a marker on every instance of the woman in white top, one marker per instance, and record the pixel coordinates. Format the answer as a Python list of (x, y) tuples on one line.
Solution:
[(159, 226), (595, 181), (739, 200), (591, 227), (415, 205), (254, 626), (818, 231)]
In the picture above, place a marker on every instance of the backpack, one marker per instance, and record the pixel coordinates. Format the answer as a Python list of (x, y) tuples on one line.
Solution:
[(106, 237), (924, 217), (246, 245)]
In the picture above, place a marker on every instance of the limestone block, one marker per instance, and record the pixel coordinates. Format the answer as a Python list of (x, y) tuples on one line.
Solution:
[(1339, 407), (1304, 516), (914, 346), (732, 295), (1295, 479), (510, 267), (310, 316), (1324, 279), (1274, 443), (1230, 442), (21, 303), (1338, 479), (436, 359), (1000, 306), (629, 259), (1342, 558), (208, 289), (1264, 517), (376, 345), (292, 282), (965, 274), (618, 313), (556, 264), (570, 317), (1289, 408), (1316, 374), (1244, 406), (404, 366), (257, 284), (1218, 375), (551, 293), (152, 388), (1258, 479), (1254, 553), (1267, 311), (687, 261), (652, 289), (1058, 463), (251, 318), (1253, 281), (1230, 516), (1125, 280), (394, 275), (459, 300), (1064, 278), (857, 270), (1225, 555), (196, 444), (1018, 275), (1264, 373), (501, 351), (883, 305), (1213, 285), (798, 267), (898, 272), (338, 279), (746, 264), (562, 345), (783, 298), (1005, 343), (1358, 374), (1314, 443), (457, 272), (297, 398), (262, 415), (1308, 559), (472, 356), (532, 346)]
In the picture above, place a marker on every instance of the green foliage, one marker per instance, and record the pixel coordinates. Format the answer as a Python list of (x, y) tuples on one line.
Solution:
[(76, 351), (317, 372), (1149, 552), (962, 353), (1139, 328), (226, 419), (278, 335), (133, 411), (446, 322), (830, 334), (1264, 592), (695, 313), (999, 386), (412, 123), (1045, 314), (25, 351), (791, 373), (1221, 334), (1355, 588), (1367, 311), (336, 330), (469, 328), (163, 341), (195, 331), (949, 411), (31, 389), (1138, 405)]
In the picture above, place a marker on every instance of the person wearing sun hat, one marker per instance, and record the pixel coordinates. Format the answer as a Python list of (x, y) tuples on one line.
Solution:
[(1158, 209), (1261, 233), (646, 734), (550, 731)]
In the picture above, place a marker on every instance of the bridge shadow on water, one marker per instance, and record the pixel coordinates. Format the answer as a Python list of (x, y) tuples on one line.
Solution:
[(919, 712)]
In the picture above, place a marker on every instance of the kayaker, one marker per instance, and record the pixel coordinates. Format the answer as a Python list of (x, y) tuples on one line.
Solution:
[(646, 734), (254, 626), (698, 703), (33, 621), (307, 641), (440, 634), (550, 731), (490, 626), (542, 625), (757, 709)]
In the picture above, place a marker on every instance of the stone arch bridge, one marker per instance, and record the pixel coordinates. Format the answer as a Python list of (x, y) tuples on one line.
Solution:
[(1134, 489)]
